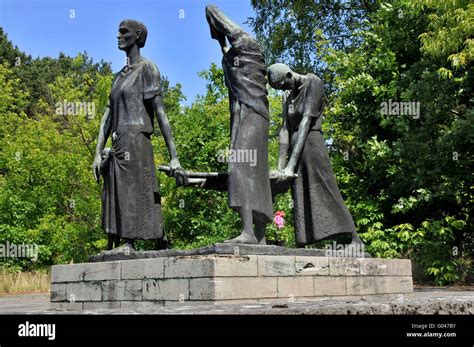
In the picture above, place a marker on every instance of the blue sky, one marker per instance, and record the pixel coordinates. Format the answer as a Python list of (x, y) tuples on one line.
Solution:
[(181, 47)]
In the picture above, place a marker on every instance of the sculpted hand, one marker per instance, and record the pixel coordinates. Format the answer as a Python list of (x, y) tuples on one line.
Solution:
[(174, 166), (287, 174), (178, 172), (95, 167), (275, 174), (282, 176)]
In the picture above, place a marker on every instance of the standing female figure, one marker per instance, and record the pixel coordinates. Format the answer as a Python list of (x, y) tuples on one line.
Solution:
[(131, 206)]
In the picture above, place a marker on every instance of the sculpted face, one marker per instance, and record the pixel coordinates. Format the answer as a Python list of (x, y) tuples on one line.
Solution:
[(127, 36), (286, 83)]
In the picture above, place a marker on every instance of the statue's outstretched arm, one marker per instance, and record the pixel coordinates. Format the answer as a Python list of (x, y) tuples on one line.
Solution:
[(104, 133), (166, 131)]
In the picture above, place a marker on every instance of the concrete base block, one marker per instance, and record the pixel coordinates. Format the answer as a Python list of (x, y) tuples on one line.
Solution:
[(223, 278)]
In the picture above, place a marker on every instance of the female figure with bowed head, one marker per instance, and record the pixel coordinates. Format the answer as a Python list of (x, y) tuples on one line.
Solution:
[(319, 210)]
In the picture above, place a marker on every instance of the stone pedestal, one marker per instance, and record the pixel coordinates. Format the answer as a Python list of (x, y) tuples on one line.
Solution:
[(223, 278)]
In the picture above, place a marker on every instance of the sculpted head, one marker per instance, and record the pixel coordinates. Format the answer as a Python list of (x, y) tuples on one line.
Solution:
[(131, 32), (280, 76)]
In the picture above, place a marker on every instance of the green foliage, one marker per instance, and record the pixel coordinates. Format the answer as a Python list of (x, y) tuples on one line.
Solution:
[(288, 30), (450, 31), (430, 245), (47, 195), (410, 166)]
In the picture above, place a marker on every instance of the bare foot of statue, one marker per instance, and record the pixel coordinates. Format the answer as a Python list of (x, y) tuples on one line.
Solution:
[(247, 235), (125, 249), (130, 244), (245, 238)]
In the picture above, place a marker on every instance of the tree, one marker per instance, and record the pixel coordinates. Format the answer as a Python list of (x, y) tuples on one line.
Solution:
[(450, 32), (289, 30)]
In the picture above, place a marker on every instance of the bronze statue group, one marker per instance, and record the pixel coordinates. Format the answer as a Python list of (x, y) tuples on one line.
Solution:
[(131, 204)]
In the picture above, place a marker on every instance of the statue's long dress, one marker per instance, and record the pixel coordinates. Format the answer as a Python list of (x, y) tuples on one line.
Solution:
[(130, 199), (319, 210), (244, 69)]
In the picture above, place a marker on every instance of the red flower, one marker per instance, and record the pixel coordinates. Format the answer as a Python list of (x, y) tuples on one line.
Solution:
[(278, 219)]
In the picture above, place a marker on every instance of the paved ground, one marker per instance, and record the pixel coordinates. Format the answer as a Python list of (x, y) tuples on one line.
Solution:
[(426, 300)]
